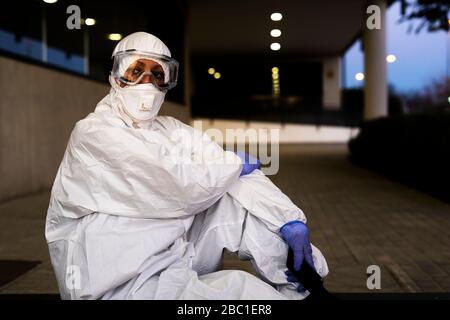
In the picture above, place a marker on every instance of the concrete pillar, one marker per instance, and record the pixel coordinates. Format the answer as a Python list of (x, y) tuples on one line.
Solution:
[(331, 83), (375, 75)]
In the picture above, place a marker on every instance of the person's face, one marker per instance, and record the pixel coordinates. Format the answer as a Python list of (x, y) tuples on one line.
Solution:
[(141, 66)]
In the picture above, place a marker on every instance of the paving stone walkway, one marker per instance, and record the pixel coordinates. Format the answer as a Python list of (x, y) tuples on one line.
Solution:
[(357, 219)]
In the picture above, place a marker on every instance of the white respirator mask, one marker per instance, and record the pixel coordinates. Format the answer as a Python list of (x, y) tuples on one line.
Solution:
[(140, 102)]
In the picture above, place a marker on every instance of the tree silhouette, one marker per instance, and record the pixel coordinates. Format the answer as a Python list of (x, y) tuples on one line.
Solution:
[(431, 13)]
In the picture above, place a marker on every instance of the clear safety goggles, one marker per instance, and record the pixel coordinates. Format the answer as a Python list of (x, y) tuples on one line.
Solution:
[(133, 67)]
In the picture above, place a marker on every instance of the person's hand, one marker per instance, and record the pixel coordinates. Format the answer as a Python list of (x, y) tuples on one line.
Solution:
[(292, 278), (296, 235), (249, 163)]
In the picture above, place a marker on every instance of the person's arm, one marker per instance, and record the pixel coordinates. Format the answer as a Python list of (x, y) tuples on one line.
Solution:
[(115, 172), (256, 193)]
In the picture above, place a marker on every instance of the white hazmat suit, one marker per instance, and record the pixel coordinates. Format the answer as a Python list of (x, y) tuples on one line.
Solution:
[(132, 216)]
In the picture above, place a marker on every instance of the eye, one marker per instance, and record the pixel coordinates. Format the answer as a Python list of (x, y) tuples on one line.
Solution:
[(136, 71)]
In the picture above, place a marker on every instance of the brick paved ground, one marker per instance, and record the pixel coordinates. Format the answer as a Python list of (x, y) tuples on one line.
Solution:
[(357, 219)]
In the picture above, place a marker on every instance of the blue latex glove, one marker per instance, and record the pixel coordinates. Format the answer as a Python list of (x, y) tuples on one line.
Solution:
[(292, 278), (296, 235), (249, 163)]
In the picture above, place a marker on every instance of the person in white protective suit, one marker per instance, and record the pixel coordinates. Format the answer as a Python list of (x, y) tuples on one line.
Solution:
[(143, 205)]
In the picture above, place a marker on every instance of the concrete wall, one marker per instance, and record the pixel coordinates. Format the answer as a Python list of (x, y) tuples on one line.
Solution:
[(38, 109), (176, 110)]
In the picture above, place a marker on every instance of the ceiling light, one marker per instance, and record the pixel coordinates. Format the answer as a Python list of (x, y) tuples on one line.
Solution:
[(275, 46), (89, 21), (114, 36), (276, 16), (275, 33)]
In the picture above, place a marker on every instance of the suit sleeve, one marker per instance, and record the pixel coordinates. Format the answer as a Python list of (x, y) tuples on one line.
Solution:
[(107, 169)]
